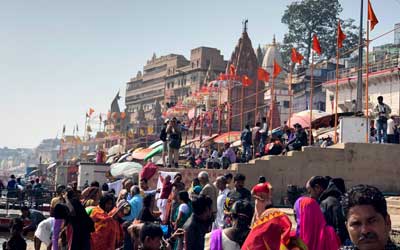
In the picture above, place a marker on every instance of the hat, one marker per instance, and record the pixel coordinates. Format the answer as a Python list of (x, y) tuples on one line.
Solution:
[(197, 189), (262, 188), (166, 121)]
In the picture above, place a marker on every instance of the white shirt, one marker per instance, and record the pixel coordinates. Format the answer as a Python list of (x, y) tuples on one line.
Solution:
[(390, 127), (44, 230), (184, 208), (229, 244), (219, 221)]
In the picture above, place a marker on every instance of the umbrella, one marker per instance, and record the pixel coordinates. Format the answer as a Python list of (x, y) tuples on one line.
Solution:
[(228, 137), (91, 154), (329, 120), (115, 149), (125, 157), (141, 154), (303, 117), (156, 144), (208, 140), (52, 165), (237, 143), (34, 172), (155, 151), (125, 169)]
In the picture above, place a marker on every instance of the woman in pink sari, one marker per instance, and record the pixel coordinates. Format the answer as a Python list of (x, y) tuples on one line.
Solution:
[(312, 227)]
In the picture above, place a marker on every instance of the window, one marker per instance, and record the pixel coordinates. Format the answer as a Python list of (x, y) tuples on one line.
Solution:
[(208, 63), (197, 63), (286, 104)]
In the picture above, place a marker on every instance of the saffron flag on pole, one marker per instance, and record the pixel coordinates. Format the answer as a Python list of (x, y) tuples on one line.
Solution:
[(91, 111), (232, 70), (277, 69), (371, 16), (316, 45), (340, 36), (262, 75), (246, 81), (296, 56)]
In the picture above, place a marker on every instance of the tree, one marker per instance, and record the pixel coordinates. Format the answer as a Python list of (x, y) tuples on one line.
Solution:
[(308, 17)]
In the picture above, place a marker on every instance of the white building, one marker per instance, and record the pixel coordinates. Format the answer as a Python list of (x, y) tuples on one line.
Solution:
[(384, 80), (281, 88)]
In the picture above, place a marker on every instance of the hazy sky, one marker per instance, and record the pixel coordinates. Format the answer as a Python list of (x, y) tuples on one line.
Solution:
[(58, 58)]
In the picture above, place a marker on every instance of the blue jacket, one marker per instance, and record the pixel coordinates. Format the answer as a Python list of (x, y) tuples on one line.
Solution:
[(136, 204)]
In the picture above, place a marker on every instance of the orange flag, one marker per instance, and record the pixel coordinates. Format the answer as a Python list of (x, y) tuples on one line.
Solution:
[(232, 70), (316, 45), (246, 81), (262, 75), (296, 56), (371, 16), (340, 36), (91, 111), (277, 69)]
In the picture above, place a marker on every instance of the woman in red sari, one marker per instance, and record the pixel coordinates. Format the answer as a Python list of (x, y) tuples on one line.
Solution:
[(104, 237)]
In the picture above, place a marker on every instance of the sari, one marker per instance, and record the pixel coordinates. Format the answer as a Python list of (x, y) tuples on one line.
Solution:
[(312, 227), (270, 231), (104, 236)]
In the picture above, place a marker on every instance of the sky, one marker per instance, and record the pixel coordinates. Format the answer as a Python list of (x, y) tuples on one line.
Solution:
[(60, 58)]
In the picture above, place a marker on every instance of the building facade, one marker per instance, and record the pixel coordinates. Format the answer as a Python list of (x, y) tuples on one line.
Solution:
[(384, 80)]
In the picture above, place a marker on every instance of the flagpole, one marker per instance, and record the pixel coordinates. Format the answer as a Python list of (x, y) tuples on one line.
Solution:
[(337, 90), (255, 109), (311, 95), (219, 107), (242, 107), (366, 85), (272, 103), (290, 95)]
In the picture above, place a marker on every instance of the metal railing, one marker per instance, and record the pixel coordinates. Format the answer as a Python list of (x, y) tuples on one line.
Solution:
[(389, 62)]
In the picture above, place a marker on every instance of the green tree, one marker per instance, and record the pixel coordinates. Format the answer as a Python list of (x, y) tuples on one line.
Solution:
[(308, 17)]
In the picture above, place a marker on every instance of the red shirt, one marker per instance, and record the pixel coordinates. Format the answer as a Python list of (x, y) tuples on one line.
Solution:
[(166, 190)]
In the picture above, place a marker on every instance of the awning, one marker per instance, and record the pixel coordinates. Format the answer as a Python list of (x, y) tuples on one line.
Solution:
[(228, 137)]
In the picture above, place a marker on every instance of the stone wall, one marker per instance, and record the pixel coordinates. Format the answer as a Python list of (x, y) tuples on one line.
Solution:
[(372, 164)]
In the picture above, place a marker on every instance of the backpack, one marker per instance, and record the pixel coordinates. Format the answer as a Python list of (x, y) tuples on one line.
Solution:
[(163, 134)]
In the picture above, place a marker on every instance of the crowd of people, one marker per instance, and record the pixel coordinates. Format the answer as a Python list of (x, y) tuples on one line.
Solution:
[(207, 215)]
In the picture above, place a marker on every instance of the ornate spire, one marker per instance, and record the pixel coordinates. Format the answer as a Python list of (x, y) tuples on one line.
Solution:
[(245, 21), (274, 41)]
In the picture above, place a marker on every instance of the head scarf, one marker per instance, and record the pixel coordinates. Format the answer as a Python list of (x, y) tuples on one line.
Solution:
[(263, 196), (312, 227), (270, 231)]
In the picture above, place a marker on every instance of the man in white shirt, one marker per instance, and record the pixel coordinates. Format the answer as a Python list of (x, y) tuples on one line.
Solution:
[(390, 130), (223, 192)]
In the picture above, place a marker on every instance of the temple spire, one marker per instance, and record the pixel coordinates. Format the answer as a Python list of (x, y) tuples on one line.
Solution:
[(274, 40), (245, 21)]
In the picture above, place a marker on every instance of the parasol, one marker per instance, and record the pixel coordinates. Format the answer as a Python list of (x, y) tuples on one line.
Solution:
[(125, 169), (155, 151), (115, 149), (303, 117), (228, 137)]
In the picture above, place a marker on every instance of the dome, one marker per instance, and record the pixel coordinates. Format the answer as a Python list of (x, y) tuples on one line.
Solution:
[(272, 54)]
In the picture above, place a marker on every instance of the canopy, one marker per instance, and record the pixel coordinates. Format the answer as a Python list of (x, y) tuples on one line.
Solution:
[(125, 157), (141, 154), (228, 137), (155, 151), (33, 172), (303, 117), (236, 144), (156, 144), (115, 149), (52, 165), (125, 169)]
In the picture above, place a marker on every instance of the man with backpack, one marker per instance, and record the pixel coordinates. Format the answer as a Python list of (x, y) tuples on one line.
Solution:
[(246, 138), (175, 139)]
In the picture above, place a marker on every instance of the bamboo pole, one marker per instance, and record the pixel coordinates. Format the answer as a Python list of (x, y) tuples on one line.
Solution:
[(242, 108), (366, 86), (272, 103), (311, 95), (290, 95), (256, 106), (337, 92)]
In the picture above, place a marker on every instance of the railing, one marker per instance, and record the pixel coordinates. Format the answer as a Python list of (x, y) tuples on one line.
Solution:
[(392, 61), (30, 198)]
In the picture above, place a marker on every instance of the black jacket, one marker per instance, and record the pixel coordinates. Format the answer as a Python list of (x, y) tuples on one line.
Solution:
[(332, 210)]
